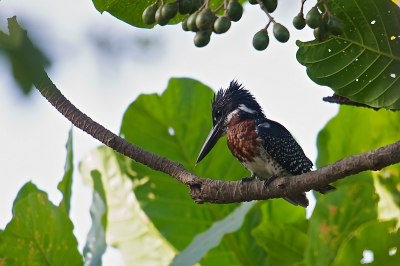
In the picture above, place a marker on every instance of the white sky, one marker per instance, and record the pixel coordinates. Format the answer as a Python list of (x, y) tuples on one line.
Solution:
[(102, 83)]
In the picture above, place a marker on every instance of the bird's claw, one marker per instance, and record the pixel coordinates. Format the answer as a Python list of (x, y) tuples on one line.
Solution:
[(269, 181), (246, 179)]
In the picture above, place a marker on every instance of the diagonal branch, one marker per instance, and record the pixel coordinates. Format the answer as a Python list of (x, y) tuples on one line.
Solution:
[(201, 190), (217, 191)]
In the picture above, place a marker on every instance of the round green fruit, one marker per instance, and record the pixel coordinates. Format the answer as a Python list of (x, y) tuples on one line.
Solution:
[(299, 22), (202, 38), (261, 40), (235, 10), (322, 32), (270, 5), (335, 25), (149, 14), (184, 24), (170, 10), (196, 5), (205, 19), (253, 2), (313, 18), (159, 18), (185, 6), (191, 22), (281, 33), (222, 24)]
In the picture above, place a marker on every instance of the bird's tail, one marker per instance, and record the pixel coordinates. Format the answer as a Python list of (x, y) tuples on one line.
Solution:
[(299, 199), (325, 189)]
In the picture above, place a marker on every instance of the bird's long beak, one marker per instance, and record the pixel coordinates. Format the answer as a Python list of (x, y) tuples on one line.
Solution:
[(214, 135)]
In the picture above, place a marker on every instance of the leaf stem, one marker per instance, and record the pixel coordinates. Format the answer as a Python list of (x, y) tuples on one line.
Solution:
[(262, 6)]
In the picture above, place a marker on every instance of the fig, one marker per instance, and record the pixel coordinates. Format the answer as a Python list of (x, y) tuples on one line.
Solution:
[(235, 10), (313, 18), (322, 32), (191, 22), (185, 6), (281, 33), (202, 38), (261, 40), (335, 25), (270, 5), (169, 10), (149, 14), (253, 2), (205, 19), (159, 18), (299, 22), (222, 24), (184, 24)]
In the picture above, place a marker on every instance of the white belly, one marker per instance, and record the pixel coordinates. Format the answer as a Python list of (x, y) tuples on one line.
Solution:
[(264, 167)]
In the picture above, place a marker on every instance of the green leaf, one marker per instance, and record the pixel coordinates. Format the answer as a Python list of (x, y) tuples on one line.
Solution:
[(96, 239), (362, 64), (39, 234), (283, 242), (23, 56), (128, 228), (353, 131), (130, 11), (28, 188), (336, 216), (379, 237), (177, 124), (66, 183), (203, 242), (279, 211), (185, 109)]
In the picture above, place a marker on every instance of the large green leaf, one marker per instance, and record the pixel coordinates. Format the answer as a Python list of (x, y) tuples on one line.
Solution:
[(130, 11), (185, 109), (284, 242), (175, 125), (39, 233), (66, 183), (203, 242), (128, 228), (353, 131), (379, 237), (356, 130), (362, 64), (336, 216), (96, 239)]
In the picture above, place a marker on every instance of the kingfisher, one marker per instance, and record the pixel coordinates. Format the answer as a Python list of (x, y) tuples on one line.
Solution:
[(262, 146)]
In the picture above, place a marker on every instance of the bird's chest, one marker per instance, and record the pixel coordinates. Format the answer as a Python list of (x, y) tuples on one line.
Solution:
[(243, 139), (246, 146)]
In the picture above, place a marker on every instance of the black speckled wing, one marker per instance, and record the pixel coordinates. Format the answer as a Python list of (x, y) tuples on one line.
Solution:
[(279, 143)]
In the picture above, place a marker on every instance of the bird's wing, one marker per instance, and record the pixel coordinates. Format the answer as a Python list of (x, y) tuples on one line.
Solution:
[(279, 143)]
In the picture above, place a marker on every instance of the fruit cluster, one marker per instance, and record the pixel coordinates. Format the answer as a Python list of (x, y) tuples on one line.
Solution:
[(204, 21), (201, 19), (323, 24)]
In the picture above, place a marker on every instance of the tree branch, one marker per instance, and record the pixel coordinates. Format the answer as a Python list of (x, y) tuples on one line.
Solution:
[(217, 191), (201, 190), (335, 98)]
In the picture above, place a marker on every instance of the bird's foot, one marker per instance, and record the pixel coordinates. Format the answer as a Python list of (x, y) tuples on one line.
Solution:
[(247, 179), (269, 181)]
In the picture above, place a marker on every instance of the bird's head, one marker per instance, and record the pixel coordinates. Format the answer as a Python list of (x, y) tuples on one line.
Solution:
[(233, 101)]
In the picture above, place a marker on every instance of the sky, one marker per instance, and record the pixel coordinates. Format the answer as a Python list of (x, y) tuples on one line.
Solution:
[(101, 64)]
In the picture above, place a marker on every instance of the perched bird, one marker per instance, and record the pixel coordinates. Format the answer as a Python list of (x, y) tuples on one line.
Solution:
[(262, 146)]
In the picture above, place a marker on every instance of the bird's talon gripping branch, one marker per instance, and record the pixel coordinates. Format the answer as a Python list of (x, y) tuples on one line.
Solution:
[(246, 179), (269, 181)]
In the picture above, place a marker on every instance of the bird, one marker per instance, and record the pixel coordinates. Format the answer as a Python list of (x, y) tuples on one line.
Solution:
[(263, 146)]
